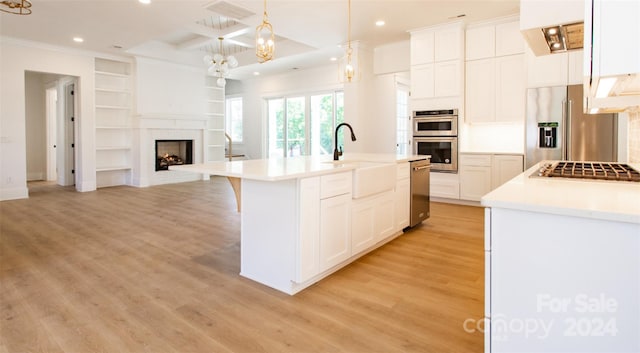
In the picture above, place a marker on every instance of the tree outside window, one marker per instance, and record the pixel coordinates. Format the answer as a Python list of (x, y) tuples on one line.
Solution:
[(309, 120)]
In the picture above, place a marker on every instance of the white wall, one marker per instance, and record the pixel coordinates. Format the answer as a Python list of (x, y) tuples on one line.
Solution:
[(167, 88), (18, 57), (35, 126)]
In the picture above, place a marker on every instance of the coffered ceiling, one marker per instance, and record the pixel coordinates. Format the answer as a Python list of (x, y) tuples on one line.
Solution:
[(308, 32)]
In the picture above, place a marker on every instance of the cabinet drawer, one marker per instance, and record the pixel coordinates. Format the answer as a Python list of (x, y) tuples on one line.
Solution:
[(335, 184), (481, 160), (404, 171)]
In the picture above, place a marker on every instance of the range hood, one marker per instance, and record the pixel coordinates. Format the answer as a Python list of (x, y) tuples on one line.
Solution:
[(555, 38), (552, 26)]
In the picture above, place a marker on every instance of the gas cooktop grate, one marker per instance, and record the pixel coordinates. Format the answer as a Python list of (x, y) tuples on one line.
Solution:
[(590, 170)]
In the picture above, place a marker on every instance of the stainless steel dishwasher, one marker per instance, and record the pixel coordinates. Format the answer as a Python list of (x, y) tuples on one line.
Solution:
[(419, 191)]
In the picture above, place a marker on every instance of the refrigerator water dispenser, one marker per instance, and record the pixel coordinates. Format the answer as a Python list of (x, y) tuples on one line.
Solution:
[(548, 135)]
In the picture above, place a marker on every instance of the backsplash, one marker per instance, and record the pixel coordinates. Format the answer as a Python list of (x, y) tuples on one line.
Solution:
[(634, 137)]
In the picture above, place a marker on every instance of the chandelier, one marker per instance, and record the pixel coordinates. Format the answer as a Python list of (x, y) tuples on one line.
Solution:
[(22, 7), (265, 39), (219, 65)]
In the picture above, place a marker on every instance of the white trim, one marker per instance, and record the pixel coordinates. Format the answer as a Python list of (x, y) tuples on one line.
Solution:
[(14, 193)]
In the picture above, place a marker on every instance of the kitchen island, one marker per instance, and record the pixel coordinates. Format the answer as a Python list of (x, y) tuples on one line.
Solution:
[(304, 218), (562, 265)]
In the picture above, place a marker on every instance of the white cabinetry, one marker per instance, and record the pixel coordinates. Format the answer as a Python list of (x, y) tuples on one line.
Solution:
[(494, 90), (335, 239), (436, 55), (371, 220), (113, 122), (547, 70), (481, 173), (504, 168), (445, 185), (335, 219), (475, 176), (215, 138)]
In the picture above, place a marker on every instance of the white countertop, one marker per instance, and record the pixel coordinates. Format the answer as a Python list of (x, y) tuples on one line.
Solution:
[(274, 169), (608, 200)]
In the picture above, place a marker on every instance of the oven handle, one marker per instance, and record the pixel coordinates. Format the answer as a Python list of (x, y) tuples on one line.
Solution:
[(415, 169)]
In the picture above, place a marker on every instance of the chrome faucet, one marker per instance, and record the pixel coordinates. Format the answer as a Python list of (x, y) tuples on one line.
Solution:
[(336, 153)]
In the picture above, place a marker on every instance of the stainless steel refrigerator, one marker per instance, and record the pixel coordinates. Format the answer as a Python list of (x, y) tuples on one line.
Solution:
[(557, 128)]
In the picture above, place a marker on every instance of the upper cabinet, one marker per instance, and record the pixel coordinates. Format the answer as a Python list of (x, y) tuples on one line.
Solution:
[(422, 47), (436, 61), (612, 56), (495, 74)]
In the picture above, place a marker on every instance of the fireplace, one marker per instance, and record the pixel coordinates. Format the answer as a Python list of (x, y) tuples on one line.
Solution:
[(173, 152)]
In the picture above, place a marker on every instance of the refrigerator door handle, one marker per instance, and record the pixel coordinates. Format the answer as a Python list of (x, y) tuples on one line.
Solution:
[(567, 138), (564, 130)]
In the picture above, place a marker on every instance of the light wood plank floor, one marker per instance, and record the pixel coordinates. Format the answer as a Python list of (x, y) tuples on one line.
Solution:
[(156, 269)]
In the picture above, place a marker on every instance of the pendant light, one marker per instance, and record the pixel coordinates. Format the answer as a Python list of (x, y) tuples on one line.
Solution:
[(265, 39), (350, 73), (219, 65)]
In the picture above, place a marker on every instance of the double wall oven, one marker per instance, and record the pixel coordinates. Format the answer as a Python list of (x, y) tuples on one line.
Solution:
[(435, 133)]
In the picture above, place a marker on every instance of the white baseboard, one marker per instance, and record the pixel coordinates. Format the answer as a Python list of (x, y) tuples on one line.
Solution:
[(14, 193)]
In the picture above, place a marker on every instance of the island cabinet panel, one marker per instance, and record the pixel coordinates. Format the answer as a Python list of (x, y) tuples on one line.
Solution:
[(335, 230), (308, 255), (270, 232), (576, 278)]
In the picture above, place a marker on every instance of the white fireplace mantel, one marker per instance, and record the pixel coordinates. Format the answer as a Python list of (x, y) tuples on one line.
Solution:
[(151, 127)]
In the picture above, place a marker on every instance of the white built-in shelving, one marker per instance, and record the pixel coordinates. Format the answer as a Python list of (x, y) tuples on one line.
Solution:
[(113, 104), (215, 110)]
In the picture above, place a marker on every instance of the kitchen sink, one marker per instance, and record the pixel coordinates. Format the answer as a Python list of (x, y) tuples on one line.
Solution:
[(370, 178)]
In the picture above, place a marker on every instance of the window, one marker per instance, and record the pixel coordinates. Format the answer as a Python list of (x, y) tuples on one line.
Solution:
[(304, 124), (402, 119), (233, 117)]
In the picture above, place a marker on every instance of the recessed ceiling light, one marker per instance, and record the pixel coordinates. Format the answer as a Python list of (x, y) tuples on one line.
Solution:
[(78, 39), (380, 23), (144, 1), (256, 73), (333, 58)]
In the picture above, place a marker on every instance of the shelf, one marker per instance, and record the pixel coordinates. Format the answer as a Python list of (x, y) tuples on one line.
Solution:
[(216, 130), (112, 107), (114, 127), (113, 148), (110, 169), (113, 74), (215, 114), (216, 146), (215, 101), (113, 90)]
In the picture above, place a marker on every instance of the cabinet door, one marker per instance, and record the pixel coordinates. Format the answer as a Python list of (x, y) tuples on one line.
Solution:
[(446, 78), (362, 225), (480, 90), (421, 47), (447, 43), (383, 216), (402, 203), (510, 88), (422, 81), (508, 39), (335, 230), (480, 43), (475, 182), (308, 251), (546, 70), (505, 167)]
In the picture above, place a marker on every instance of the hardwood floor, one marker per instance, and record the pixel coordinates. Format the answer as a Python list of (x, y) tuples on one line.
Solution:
[(156, 269)]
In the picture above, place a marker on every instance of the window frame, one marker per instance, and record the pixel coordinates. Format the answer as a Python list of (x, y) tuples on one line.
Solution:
[(228, 121)]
